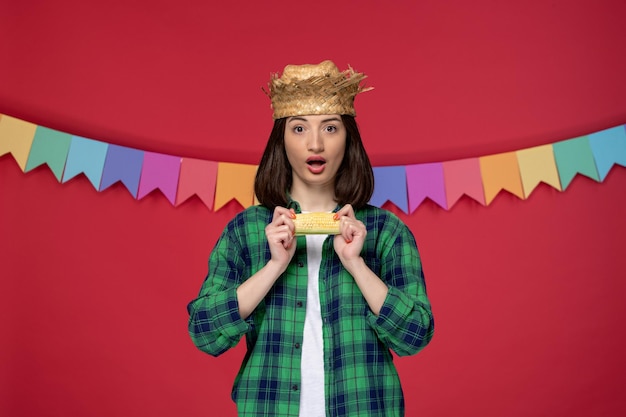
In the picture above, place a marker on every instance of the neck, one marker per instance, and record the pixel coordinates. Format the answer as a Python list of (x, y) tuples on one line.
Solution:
[(316, 199)]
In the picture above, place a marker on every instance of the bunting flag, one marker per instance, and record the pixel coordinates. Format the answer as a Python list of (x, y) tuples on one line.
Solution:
[(609, 148), (462, 177), (500, 172), (16, 138), (122, 164), (161, 172), (573, 157), (197, 177), (234, 182), (49, 147), (395, 178), (87, 157), (426, 181), (537, 165), (218, 183)]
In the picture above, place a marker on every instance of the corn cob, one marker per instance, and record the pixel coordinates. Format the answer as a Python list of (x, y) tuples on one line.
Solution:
[(316, 224)]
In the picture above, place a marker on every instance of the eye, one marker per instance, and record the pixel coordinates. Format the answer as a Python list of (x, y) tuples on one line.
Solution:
[(330, 128), (298, 129)]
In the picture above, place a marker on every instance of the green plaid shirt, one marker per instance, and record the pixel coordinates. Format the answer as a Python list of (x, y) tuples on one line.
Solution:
[(360, 377)]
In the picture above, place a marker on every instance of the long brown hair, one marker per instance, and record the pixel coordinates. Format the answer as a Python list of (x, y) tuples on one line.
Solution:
[(354, 183)]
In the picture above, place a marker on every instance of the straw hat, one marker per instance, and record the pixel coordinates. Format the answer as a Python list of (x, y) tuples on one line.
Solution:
[(314, 89)]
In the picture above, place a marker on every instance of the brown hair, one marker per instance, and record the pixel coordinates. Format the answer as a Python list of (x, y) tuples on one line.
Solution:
[(354, 183)]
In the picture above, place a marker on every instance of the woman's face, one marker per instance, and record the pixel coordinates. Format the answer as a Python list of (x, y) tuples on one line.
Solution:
[(315, 147)]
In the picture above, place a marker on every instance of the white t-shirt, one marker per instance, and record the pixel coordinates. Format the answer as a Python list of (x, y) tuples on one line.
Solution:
[(312, 398)]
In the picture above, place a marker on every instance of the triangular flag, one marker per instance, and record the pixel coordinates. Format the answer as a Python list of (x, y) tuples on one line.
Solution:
[(122, 164), (234, 181), (537, 165), (425, 181), (49, 147), (463, 177), (608, 147), (86, 156), (500, 172), (16, 138), (197, 177), (390, 185), (159, 171), (574, 156)]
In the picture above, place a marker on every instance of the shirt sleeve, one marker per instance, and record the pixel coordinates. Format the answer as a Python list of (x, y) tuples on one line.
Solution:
[(405, 322), (215, 324)]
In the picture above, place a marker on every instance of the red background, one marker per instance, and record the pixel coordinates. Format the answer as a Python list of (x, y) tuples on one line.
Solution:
[(527, 294)]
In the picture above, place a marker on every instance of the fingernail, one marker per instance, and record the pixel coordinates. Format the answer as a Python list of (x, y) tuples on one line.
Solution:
[(335, 216), (348, 240), (293, 214)]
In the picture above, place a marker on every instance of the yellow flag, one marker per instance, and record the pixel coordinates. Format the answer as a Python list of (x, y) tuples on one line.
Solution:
[(538, 165), (16, 137)]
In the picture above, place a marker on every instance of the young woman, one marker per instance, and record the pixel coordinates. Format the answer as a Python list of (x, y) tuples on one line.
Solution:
[(321, 313)]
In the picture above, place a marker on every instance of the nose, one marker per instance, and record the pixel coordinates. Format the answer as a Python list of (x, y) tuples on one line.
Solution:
[(315, 142)]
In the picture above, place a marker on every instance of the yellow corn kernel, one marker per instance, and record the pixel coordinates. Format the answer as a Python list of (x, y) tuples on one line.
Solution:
[(316, 224)]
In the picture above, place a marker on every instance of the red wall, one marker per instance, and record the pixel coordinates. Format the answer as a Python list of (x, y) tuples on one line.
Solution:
[(527, 294)]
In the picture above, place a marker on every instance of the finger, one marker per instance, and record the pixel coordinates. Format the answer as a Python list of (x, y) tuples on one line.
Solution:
[(353, 229), (283, 213), (283, 216), (349, 209), (288, 241), (347, 229), (278, 233), (346, 210)]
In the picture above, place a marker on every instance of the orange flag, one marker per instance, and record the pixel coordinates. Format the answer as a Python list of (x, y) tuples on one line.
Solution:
[(234, 181), (500, 172)]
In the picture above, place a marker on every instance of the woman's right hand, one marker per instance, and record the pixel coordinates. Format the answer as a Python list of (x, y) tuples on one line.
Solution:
[(280, 235)]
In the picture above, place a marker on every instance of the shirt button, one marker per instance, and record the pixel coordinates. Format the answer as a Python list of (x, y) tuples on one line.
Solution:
[(300, 264), (299, 303), (296, 345), (294, 387)]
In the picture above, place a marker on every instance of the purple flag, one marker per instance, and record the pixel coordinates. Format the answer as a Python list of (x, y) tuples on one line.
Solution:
[(390, 185), (159, 171), (426, 180), (122, 164)]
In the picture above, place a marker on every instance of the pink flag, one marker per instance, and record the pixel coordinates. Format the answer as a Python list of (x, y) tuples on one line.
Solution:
[(463, 177), (197, 177)]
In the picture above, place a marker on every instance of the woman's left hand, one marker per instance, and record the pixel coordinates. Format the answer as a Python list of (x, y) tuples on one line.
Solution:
[(349, 242)]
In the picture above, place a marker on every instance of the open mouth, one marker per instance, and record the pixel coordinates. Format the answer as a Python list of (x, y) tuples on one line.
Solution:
[(316, 164)]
